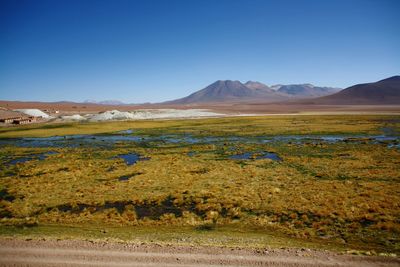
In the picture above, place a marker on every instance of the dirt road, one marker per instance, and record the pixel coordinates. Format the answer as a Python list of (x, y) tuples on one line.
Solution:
[(83, 253)]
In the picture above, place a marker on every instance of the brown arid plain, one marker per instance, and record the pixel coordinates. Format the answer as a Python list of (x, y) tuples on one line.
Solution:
[(294, 107)]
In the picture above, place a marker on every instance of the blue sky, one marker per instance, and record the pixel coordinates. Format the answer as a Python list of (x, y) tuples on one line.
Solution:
[(150, 51)]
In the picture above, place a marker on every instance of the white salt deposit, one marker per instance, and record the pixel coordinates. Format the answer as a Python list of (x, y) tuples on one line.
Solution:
[(34, 112), (179, 113), (152, 114), (75, 117), (112, 115)]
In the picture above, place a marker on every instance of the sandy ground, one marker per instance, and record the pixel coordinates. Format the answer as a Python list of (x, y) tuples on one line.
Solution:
[(68, 108), (66, 112), (85, 253)]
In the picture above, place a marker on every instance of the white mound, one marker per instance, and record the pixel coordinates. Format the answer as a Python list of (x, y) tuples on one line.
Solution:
[(34, 112), (152, 114), (112, 115), (75, 117), (174, 113)]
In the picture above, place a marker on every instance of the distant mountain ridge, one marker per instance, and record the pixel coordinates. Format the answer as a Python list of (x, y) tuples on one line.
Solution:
[(386, 91), (235, 91), (105, 102), (307, 90)]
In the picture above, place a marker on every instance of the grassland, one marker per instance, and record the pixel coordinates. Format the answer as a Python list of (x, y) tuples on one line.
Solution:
[(259, 125), (341, 195)]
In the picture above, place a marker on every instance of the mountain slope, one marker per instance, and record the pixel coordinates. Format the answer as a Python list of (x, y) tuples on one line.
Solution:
[(386, 91), (259, 87), (223, 91), (306, 90), (235, 91)]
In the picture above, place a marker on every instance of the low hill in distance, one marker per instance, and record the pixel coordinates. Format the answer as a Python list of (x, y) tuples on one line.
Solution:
[(105, 102), (383, 92)]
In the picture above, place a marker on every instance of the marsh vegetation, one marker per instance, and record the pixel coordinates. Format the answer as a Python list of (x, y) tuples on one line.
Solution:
[(317, 179)]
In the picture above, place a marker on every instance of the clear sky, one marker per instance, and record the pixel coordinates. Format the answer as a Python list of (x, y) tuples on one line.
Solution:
[(150, 51)]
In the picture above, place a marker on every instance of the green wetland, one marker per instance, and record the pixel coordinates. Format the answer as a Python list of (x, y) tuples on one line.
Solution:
[(297, 181)]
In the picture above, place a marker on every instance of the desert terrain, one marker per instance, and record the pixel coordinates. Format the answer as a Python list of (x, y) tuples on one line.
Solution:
[(230, 108)]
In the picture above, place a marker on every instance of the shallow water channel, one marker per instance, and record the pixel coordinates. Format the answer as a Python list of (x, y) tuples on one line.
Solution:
[(110, 140), (257, 155), (39, 156), (131, 158)]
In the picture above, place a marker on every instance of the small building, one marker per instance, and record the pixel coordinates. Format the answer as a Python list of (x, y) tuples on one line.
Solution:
[(10, 120), (23, 121), (33, 118)]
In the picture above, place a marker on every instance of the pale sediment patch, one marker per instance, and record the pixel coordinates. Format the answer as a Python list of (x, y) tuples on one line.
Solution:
[(75, 117), (34, 112), (144, 114)]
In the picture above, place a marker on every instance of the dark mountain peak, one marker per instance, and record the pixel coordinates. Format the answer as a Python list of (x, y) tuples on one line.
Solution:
[(386, 91), (395, 78)]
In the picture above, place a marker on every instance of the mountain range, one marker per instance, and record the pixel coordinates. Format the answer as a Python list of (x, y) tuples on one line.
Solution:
[(305, 90), (235, 91), (105, 102), (386, 91)]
